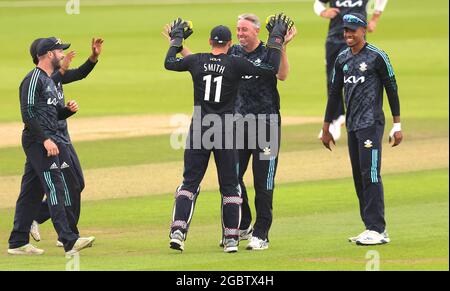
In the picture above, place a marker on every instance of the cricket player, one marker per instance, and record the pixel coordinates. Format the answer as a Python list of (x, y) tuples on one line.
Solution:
[(335, 42), (216, 77), (40, 113), (258, 99), (362, 71), (70, 164)]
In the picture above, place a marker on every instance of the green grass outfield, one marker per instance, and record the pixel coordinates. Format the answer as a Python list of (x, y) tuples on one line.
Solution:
[(312, 219), (312, 223), (130, 77)]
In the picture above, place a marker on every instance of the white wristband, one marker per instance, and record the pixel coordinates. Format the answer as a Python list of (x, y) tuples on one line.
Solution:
[(396, 127)]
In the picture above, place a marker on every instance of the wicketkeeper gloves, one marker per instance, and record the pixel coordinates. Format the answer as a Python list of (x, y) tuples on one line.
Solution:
[(277, 25), (179, 30)]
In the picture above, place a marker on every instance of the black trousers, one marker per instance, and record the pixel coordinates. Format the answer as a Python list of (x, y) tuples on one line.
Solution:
[(264, 168), (332, 50), (365, 155), (46, 170), (195, 166), (74, 183)]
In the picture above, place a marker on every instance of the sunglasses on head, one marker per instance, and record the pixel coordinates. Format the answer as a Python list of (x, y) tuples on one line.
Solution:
[(354, 19)]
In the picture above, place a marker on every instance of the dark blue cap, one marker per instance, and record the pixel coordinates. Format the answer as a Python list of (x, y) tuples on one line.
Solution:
[(220, 34), (354, 20), (49, 44)]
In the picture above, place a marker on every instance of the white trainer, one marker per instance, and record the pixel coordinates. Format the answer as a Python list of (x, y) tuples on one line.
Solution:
[(34, 231), (27, 249), (353, 239), (80, 244), (59, 244), (177, 240), (373, 238), (257, 244)]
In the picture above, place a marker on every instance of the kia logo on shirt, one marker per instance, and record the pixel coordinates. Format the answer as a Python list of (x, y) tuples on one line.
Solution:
[(52, 101), (354, 80), (349, 3)]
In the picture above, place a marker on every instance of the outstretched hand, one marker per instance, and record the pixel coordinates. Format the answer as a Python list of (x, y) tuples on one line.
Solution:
[(67, 60), (96, 46), (290, 35)]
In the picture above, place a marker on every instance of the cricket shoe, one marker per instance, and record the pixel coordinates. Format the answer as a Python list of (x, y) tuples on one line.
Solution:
[(373, 238), (27, 249), (230, 245), (353, 239), (34, 231), (61, 245), (80, 244), (177, 240), (245, 234), (257, 244)]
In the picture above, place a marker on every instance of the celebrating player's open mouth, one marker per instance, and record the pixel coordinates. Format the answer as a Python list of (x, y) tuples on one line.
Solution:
[(350, 37), (247, 33)]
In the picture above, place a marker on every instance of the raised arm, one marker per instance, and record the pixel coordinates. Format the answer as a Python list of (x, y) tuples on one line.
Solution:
[(186, 33), (71, 75), (287, 30), (178, 31), (172, 63), (283, 72), (79, 73)]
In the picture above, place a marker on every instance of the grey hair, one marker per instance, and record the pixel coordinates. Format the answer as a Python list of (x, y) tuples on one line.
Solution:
[(252, 18)]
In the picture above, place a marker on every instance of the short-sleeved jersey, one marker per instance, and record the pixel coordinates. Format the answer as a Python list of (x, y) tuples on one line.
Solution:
[(336, 27), (257, 94)]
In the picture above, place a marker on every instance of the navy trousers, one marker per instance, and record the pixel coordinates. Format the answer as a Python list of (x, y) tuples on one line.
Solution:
[(74, 182), (365, 155), (45, 174), (264, 167)]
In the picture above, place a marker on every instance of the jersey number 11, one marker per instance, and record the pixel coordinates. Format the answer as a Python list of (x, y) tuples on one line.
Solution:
[(218, 81)]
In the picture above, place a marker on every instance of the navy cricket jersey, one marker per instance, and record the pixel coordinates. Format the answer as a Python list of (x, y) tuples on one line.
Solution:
[(69, 76), (216, 77), (39, 107), (257, 94), (336, 28), (363, 77)]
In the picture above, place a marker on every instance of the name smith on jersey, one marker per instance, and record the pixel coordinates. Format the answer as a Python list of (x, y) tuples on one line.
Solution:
[(215, 68)]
